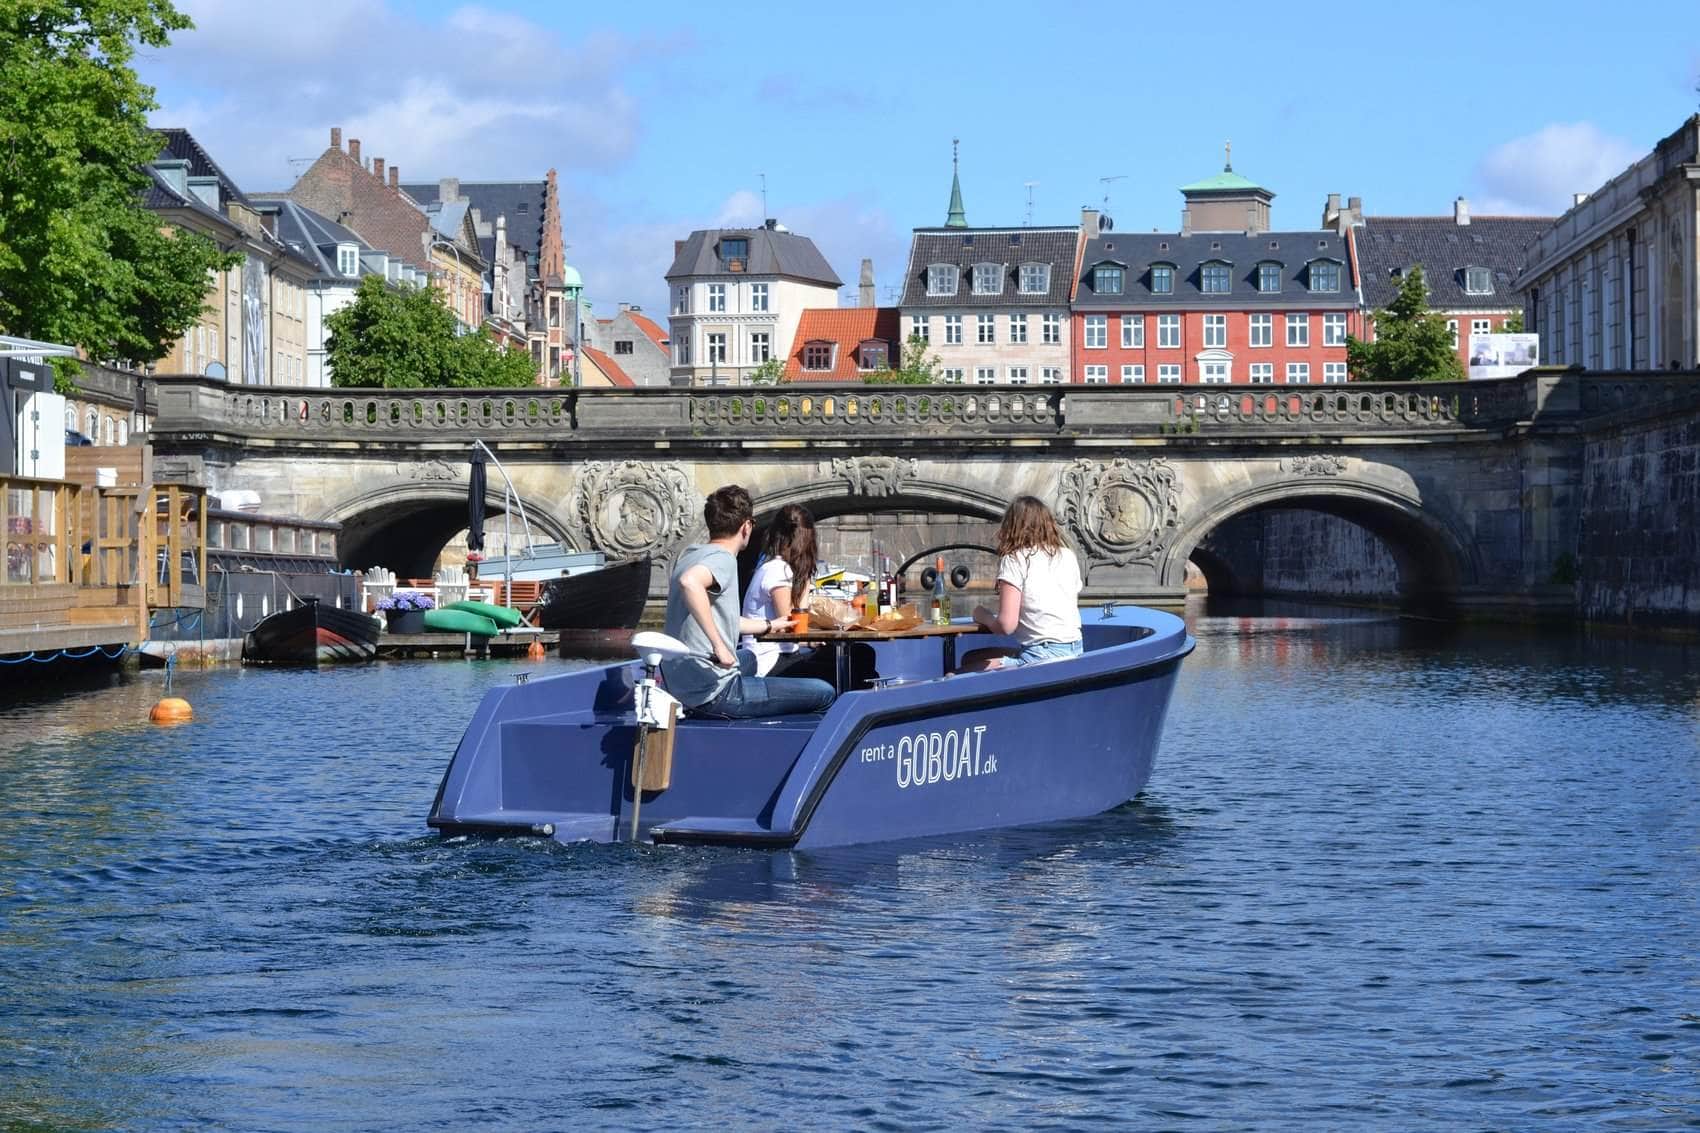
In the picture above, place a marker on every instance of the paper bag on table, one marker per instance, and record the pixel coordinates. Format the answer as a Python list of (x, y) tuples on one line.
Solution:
[(903, 617), (830, 613)]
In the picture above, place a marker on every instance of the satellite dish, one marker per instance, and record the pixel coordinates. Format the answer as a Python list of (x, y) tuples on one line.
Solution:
[(1105, 224), (215, 370)]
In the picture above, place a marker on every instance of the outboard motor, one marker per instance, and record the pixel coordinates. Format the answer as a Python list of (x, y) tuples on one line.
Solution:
[(656, 710)]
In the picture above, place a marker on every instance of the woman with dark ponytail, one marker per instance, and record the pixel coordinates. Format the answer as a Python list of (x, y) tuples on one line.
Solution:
[(782, 581)]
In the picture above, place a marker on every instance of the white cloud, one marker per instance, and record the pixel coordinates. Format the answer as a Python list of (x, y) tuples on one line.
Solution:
[(1537, 173)]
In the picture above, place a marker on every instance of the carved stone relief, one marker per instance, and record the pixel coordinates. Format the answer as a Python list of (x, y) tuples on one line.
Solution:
[(432, 471), (1316, 465), (630, 508), (874, 475), (1122, 511)]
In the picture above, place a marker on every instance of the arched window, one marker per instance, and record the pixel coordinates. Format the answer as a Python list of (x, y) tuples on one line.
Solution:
[(71, 417), (91, 423)]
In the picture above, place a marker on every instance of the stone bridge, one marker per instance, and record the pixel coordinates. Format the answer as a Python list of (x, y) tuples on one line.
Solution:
[(1476, 489)]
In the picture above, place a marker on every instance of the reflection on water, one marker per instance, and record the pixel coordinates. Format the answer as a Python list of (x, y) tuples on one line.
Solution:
[(1388, 874)]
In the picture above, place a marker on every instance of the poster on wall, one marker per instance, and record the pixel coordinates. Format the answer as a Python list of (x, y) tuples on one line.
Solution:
[(1503, 355)]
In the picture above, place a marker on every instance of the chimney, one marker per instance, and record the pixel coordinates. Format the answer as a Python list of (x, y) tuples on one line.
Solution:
[(865, 287), (378, 168), (1088, 222), (1577, 198), (354, 148), (1253, 223), (624, 307), (771, 224), (336, 137), (1186, 222), (448, 190), (395, 178), (1331, 210), (678, 246), (1460, 211)]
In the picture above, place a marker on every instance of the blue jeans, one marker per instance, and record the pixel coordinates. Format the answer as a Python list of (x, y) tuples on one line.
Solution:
[(1042, 651), (750, 696)]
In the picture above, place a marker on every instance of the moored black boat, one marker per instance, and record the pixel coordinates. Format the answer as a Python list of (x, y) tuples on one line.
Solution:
[(610, 598), (311, 634)]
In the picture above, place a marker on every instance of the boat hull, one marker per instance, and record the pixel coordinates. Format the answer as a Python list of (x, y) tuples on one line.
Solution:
[(933, 756), (611, 598), (311, 634)]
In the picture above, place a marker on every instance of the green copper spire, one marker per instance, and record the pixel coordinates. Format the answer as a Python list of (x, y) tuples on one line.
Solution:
[(957, 218)]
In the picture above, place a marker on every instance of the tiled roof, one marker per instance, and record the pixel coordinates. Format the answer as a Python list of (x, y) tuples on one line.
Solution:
[(180, 143), (311, 236), (160, 196), (846, 328), (1136, 252), (649, 327), (341, 188), (770, 253), (609, 367), (520, 201), (1007, 247), (1389, 244), (1226, 181)]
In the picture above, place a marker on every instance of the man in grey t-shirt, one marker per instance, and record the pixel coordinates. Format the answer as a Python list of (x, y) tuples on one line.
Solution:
[(702, 612)]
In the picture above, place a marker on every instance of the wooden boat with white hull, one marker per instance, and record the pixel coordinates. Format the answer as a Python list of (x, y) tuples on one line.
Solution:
[(311, 634)]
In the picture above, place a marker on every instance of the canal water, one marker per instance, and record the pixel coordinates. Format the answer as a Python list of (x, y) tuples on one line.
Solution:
[(1388, 875)]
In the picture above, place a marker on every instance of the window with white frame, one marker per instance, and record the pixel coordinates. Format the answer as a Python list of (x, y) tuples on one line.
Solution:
[(1097, 331), (1333, 373), (1133, 375), (1035, 279), (1268, 277), (985, 328), (1107, 279), (1481, 326), (1051, 376), (1214, 278), (1162, 279), (985, 375), (1263, 373), (1168, 331), (1452, 325), (951, 375), (1298, 373), (941, 279), (1478, 281), (1133, 331), (717, 297), (1298, 330), (1018, 328), (816, 355), (761, 346), (758, 296), (1097, 375), (988, 279), (921, 327), (1324, 276), (683, 350), (1334, 330), (1168, 374), (953, 330), (1214, 372), (717, 347), (1215, 330), (872, 355), (347, 259), (1018, 375), (1263, 330), (1051, 329)]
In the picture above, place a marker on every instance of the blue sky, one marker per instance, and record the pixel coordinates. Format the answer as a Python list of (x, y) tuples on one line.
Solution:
[(662, 116)]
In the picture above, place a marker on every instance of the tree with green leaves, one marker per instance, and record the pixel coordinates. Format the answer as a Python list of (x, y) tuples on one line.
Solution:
[(1412, 343), (768, 373), (916, 367), (81, 260), (406, 338)]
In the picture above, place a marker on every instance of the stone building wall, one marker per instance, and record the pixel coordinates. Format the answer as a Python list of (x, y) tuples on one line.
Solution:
[(1294, 552)]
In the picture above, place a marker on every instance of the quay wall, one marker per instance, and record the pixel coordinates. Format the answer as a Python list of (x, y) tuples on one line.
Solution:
[(1300, 553)]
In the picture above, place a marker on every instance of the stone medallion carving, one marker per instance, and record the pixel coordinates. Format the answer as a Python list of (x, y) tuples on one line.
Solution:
[(874, 475), (629, 508), (433, 471), (1316, 465), (1122, 511)]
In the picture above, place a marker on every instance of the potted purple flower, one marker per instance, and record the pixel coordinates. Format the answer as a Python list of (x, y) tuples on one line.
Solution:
[(404, 611)]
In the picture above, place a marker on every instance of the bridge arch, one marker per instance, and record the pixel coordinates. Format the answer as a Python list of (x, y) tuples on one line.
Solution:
[(404, 526), (828, 498), (1435, 560)]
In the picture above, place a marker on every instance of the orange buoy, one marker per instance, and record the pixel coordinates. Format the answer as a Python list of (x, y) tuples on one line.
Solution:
[(172, 710), (535, 651)]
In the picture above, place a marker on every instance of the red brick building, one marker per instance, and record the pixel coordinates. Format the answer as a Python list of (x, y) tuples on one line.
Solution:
[(1224, 301)]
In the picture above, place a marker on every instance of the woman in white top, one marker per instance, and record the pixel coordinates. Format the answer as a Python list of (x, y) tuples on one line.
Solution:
[(1038, 592), (781, 582)]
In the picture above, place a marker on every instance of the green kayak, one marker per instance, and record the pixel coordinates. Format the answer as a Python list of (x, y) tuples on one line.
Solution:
[(452, 620), (501, 615)]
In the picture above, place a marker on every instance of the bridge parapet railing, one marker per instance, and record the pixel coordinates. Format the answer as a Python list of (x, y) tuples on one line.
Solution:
[(1405, 407), (826, 410)]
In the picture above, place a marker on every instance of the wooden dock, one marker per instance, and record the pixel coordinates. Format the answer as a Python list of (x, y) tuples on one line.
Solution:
[(575, 644)]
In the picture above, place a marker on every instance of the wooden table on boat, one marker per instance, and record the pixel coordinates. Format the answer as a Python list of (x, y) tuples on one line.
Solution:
[(841, 639)]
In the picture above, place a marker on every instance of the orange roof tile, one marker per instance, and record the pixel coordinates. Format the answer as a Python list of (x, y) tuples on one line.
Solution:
[(649, 327), (610, 368), (846, 328)]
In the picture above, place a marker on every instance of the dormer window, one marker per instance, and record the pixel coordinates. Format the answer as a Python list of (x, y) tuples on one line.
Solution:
[(941, 279), (348, 259), (1162, 279), (1107, 279), (817, 355), (988, 279), (1214, 278), (1324, 275), (1268, 277), (871, 355), (1035, 279), (735, 253), (1478, 281)]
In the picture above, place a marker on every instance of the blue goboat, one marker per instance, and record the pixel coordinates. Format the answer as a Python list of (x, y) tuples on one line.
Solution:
[(922, 755)]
